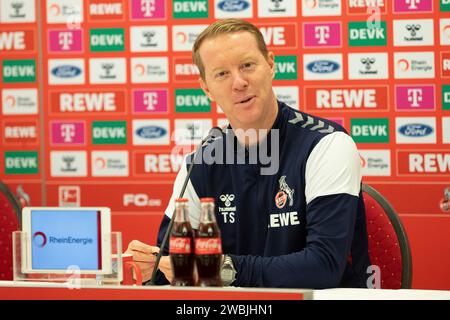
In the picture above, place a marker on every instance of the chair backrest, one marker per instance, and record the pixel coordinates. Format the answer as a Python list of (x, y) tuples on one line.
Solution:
[(10, 220), (388, 243)]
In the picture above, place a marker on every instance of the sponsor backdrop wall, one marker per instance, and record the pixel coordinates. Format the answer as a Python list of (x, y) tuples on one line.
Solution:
[(96, 94)]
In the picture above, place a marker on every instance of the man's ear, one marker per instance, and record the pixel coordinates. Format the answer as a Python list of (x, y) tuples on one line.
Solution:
[(205, 88), (271, 62)]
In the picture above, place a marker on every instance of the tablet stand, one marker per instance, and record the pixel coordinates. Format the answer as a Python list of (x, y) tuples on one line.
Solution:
[(72, 275)]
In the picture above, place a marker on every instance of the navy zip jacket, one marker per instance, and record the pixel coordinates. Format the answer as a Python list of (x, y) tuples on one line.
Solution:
[(301, 227)]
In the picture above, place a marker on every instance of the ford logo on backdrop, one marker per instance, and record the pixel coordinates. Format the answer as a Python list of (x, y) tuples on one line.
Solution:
[(233, 5), (415, 130), (323, 66), (66, 71), (151, 132)]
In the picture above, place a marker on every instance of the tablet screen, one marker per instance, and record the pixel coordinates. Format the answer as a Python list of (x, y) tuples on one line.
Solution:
[(62, 239)]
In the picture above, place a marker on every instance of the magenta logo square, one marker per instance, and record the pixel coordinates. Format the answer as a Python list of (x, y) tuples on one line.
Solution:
[(67, 132), (322, 34), (150, 101), (148, 9), (413, 5), (65, 40), (415, 97)]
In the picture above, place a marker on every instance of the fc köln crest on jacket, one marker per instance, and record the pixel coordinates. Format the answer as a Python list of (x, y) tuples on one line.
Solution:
[(285, 194)]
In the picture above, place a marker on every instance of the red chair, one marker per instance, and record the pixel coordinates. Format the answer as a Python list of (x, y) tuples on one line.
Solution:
[(388, 243), (10, 220)]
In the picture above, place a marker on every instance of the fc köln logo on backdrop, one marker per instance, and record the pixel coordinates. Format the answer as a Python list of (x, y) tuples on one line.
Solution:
[(285, 194)]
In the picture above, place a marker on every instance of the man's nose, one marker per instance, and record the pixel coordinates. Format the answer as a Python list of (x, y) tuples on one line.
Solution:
[(239, 82)]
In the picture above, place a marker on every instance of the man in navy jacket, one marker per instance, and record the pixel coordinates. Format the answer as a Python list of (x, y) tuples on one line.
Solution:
[(295, 221)]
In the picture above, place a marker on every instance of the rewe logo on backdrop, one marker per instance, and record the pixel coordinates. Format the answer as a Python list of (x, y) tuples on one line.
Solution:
[(423, 163), (20, 132), (18, 40), (283, 36), (88, 101), (106, 10), (184, 69), (337, 98), (366, 6)]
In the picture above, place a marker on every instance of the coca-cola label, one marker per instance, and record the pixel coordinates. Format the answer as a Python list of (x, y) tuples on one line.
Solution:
[(180, 245), (208, 246)]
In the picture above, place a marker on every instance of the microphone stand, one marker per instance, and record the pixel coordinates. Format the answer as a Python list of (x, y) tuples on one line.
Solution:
[(211, 134)]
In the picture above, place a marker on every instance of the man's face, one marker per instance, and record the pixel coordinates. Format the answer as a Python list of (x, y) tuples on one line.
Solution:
[(239, 78)]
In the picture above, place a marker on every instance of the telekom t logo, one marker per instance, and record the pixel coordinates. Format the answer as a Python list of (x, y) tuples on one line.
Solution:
[(68, 132), (150, 100), (413, 3), (65, 40), (148, 7), (415, 96), (322, 33)]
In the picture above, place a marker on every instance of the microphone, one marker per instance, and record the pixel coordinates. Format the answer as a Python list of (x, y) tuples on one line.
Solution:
[(214, 132)]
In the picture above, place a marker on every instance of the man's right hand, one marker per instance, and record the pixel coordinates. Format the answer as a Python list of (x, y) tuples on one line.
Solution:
[(144, 257)]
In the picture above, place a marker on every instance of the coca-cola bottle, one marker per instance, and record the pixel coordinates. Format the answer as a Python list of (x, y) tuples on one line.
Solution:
[(181, 246), (208, 247)]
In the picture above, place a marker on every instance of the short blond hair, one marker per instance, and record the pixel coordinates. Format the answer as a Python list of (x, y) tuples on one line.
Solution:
[(226, 26)]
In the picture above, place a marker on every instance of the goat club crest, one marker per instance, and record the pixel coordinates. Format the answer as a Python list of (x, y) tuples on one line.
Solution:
[(285, 194)]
